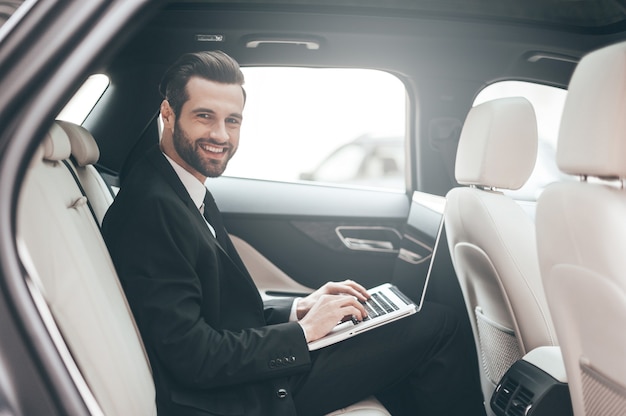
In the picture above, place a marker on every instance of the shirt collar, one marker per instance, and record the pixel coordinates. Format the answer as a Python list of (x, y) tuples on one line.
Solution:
[(194, 187)]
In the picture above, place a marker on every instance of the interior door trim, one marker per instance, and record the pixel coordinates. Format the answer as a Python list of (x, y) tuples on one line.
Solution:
[(367, 244)]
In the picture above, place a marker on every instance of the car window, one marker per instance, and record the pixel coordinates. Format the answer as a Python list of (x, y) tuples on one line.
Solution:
[(337, 125), (548, 103), (83, 101)]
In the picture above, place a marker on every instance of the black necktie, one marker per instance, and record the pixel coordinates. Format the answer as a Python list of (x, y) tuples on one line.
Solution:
[(213, 216)]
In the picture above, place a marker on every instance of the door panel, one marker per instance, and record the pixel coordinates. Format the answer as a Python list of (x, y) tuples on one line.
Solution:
[(269, 279), (312, 233), (287, 234)]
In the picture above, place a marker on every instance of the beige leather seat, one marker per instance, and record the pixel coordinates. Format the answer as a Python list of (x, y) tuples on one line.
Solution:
[(581, 233), (492, 239), (85, 154), (68, 262)]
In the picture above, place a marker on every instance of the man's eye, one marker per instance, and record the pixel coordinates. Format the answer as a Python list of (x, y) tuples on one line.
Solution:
[(233, 121)]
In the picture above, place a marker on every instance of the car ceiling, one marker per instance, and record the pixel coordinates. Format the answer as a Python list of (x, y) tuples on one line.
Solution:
[(580, 14), (445, 51)]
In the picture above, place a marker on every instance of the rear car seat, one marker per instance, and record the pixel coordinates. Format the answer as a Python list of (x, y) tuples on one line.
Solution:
[(85, 154), (67, 259), (71, 267)]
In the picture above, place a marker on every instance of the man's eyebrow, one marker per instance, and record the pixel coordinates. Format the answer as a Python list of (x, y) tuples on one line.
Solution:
[(202, 110)]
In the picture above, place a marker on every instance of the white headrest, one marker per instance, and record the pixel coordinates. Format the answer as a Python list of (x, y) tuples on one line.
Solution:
[(592, 137), (84, 147), (56, 145), (498, 144)]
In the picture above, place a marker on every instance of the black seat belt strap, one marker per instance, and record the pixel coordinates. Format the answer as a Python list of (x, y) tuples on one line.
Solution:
[(82, 190)]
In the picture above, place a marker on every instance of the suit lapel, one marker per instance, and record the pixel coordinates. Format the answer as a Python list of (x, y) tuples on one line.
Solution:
[(165, 169)]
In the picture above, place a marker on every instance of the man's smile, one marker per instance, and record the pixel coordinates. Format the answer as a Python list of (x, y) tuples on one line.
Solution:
[(211, 148)]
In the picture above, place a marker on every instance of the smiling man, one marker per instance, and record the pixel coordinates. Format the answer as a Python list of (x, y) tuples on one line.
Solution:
[(213, 115), (214, 346)]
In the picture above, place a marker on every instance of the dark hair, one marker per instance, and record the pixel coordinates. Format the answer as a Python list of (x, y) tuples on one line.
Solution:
[(211, 65)]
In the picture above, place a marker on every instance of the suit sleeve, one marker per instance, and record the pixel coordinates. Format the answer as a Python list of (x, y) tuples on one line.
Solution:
[(278, 310), (156, 251)]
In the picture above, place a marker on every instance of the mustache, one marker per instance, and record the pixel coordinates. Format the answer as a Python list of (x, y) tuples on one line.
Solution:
[(210, 141)]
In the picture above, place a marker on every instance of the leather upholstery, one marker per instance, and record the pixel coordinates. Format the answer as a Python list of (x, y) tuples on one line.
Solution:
[(72, 269), (492, 239), (84, 147), (85, 154), (591, 135), (498, 144), (581, 234), (56, 146), (367, 407)]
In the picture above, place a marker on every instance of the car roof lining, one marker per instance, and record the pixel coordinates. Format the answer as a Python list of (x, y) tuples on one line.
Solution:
[(585, 15)]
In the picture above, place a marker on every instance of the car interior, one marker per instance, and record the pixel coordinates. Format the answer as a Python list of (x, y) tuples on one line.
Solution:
[(536, 281), (492, 239)]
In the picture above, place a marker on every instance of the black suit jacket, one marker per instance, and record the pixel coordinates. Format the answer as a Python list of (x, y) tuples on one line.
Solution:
[(214, 347)]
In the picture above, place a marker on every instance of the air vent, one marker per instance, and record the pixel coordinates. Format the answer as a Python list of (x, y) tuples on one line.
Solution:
[(503, 394), (527, 390), (511, 399), (521, 402)]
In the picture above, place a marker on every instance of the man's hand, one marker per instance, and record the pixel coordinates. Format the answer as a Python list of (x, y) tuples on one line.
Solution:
[(319, 312), (347, 287), (328, 311)]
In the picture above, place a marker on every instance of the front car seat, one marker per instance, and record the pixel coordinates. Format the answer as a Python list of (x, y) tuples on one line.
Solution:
[(581, 235), (492, 239)]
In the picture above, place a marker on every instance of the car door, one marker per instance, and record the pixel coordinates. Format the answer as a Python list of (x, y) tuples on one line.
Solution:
[(312, 233), (46, 48)]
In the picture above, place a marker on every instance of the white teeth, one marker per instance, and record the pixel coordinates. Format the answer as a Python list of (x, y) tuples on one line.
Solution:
[(212, 149)]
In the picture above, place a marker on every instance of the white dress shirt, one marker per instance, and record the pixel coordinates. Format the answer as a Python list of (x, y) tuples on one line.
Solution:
[(194, 187)]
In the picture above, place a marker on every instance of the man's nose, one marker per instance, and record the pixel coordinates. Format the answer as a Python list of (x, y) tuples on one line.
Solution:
[(219, 132)]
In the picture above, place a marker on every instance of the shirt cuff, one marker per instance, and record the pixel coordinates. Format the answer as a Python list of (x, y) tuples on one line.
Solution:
[(293, 315)]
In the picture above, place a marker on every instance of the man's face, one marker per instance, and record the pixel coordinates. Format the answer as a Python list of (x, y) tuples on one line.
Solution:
[(206, 132)]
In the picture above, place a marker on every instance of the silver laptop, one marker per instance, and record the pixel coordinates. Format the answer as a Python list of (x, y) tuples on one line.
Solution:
[(412, 269)]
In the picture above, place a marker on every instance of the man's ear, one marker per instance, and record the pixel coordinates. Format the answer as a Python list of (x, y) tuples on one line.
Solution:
[(168, 116)]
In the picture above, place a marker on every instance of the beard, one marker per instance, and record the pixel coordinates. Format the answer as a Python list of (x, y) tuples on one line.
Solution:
[(189, 150)]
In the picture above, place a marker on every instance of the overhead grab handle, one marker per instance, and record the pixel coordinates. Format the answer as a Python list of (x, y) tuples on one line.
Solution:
[(309, 44)]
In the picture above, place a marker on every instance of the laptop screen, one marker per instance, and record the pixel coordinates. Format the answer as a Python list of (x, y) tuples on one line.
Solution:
[(420, 238)]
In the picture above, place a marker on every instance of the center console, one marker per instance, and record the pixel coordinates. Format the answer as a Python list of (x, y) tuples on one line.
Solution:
[(536, 385)]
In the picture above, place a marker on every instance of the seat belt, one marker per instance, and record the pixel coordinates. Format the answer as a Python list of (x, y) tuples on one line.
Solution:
[(82, 190)]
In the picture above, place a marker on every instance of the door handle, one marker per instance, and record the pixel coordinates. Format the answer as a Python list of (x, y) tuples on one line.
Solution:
[(379, 239), (370, 245)]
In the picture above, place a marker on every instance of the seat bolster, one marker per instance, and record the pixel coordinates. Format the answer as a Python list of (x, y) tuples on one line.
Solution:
[(56, 145), (96, 189), (83, 146)]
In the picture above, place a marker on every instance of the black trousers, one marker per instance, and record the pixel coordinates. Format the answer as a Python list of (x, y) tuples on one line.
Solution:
[(422, 365)]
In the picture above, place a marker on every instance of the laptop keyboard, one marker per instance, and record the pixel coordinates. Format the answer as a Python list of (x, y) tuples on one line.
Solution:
[(378, 305)]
